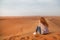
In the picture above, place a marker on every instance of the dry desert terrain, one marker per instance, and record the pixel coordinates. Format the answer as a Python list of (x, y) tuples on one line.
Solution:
[(22, 28)]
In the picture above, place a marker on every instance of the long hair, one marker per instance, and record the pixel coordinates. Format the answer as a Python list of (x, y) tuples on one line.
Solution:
[(43, 21)]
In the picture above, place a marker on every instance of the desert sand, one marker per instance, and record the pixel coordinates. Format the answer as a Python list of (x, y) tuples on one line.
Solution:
[(22, 28)]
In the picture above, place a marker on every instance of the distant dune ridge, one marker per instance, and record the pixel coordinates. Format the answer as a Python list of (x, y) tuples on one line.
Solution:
[(22, 28)]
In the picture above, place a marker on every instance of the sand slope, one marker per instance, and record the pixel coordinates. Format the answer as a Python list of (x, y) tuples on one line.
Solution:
[(22, 28)]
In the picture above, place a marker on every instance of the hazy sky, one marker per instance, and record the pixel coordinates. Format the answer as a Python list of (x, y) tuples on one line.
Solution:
[(29, 7)]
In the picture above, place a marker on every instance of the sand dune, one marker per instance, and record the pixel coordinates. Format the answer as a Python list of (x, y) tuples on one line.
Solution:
[(22, 28)]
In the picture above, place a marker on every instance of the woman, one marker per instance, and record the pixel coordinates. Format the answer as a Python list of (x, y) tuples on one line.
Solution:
[(44, 26)]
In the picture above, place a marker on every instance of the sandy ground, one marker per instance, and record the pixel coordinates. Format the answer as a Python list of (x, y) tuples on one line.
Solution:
[(22, 28)]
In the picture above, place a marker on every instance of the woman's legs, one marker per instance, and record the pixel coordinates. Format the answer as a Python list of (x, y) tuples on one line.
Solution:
[(38, 30)]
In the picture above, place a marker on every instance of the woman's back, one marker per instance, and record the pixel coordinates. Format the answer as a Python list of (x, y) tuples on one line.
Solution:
[(44, 26)]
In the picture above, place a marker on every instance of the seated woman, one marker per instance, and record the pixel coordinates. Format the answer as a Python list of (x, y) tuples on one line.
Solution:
[(44, 26)]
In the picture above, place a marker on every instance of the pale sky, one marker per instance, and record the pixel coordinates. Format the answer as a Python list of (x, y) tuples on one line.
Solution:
[(30, 7)]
